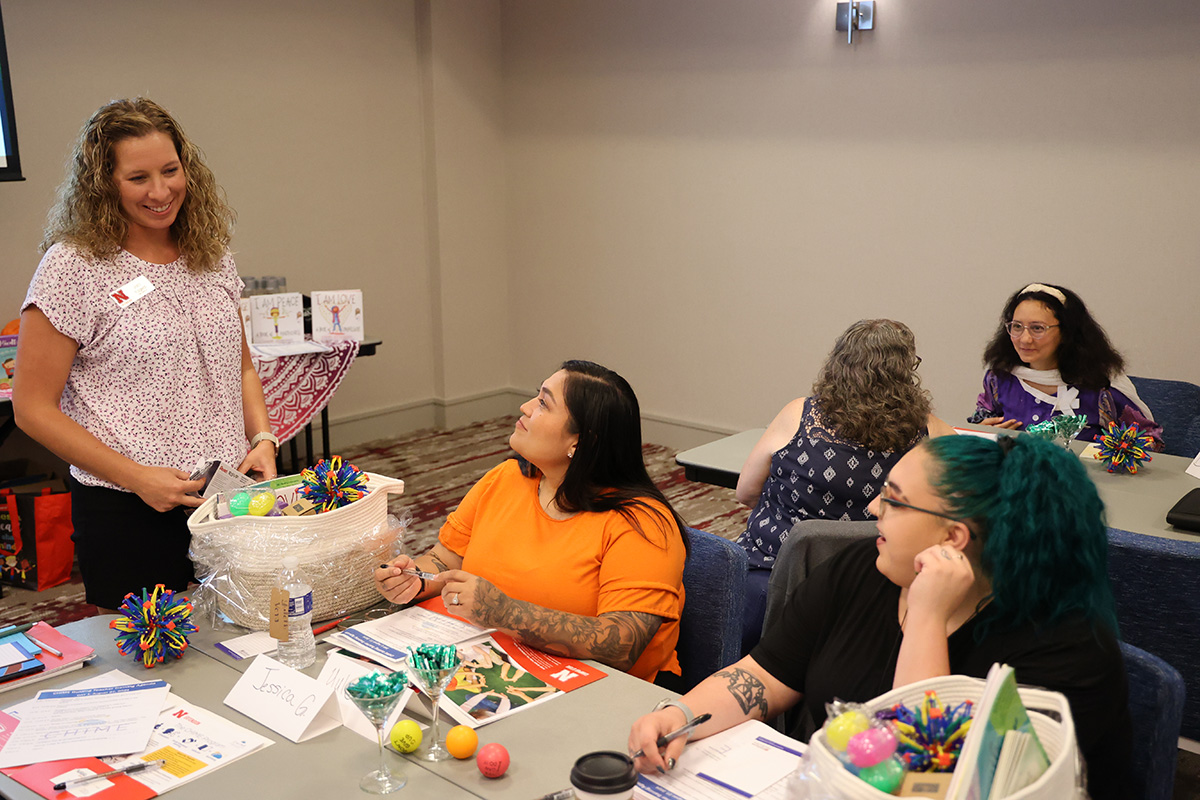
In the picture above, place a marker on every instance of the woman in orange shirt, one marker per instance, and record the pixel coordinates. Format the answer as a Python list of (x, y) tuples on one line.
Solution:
[(570, 548)]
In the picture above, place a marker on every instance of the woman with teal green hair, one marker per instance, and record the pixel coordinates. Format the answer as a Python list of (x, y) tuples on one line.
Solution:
[(988, 551)]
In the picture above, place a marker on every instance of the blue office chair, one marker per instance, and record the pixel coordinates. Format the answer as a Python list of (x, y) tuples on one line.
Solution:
[(710, 630), (1154, 582), (1156, 695), (1176, 406)]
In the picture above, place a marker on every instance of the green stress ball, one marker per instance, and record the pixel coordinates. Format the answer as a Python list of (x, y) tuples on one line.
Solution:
[(843, 726), (406, 736), (239, 504), (260, 503), (886, 776)]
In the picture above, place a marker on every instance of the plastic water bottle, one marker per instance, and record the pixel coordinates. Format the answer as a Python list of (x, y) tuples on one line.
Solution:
[(300, 650)]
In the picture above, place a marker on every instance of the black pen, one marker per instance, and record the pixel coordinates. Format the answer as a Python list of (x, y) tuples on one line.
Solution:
[(58, 787), (429, 576), (667, 738)]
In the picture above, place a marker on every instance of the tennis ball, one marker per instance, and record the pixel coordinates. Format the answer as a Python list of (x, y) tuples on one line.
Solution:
[(461, 741), (492, 760), (406, 736)]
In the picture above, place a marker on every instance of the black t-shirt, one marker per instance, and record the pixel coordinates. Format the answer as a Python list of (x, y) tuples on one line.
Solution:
[(838, 636)]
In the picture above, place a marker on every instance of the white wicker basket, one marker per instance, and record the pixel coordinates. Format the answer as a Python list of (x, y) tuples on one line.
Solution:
[(1058, 738), (237, 560)]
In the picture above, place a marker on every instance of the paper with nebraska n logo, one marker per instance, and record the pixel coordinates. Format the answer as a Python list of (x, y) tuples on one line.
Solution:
[(500, 676), (136, 289)]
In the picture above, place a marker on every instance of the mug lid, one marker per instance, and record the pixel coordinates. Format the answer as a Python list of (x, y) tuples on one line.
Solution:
[(604, 772)]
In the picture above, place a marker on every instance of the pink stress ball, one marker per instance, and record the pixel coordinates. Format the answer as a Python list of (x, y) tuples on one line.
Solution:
[(868, 748), (492, 760)]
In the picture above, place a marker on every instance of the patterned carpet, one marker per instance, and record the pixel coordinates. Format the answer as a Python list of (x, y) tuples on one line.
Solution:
[(438, 467)]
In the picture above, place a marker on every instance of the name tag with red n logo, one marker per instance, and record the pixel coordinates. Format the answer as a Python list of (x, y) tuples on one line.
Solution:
[(137, 288)]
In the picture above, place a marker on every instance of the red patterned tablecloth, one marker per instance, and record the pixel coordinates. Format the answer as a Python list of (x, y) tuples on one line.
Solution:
[(298, 387)]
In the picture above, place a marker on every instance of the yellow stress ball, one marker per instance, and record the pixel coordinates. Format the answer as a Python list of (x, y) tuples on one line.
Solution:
[(262, 503), (839, 730), (461, 741), (406, 736)]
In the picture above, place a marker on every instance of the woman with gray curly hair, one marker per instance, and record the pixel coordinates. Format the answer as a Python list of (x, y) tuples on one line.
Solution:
[(825, 456), (132, 361)]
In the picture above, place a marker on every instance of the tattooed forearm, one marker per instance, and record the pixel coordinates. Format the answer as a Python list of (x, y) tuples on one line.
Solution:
[(748, 690), (617, 638), (442, 566)]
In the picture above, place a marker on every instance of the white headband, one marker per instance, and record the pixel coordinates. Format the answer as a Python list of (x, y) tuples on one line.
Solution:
[(1050, 290)]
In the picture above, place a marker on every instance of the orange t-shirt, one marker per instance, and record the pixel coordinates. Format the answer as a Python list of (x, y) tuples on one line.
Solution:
[(590, 564)]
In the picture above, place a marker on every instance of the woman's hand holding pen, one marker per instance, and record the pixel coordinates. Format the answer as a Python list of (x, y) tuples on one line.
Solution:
[(395, 583), (645, 734)]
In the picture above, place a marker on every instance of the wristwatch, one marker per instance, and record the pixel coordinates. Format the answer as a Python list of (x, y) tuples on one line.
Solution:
[(264, 436), (687, 712)]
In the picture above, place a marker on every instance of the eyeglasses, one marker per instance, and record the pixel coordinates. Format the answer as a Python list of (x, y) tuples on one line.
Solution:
[(917, 363), (1037, 330), (884, 499)]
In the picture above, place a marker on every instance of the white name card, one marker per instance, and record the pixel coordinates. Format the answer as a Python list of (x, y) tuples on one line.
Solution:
[(286, 701)]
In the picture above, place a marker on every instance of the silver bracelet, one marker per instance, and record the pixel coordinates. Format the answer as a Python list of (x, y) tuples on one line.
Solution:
[(687, 712)]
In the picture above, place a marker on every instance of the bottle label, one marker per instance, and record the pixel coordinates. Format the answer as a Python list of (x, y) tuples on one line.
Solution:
[(299, 606)]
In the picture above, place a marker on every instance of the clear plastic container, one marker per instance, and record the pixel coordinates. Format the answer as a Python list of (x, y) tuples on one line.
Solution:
[(300, 650)]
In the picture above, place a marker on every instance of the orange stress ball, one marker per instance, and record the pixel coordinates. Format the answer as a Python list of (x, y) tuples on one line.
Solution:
[(461, 741)]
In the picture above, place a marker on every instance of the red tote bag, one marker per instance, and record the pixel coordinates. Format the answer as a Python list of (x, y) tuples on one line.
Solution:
[(36, 551)]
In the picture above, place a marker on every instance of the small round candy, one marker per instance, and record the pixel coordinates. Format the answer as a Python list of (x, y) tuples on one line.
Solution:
[(886, 776), (461, 741), (843, 726), (262, 503), (492, 760), (869, 747), (239, 504), (406, 736)]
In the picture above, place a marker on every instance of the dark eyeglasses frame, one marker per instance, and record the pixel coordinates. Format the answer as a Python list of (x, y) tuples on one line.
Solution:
[(1008, 326), (891, 502)]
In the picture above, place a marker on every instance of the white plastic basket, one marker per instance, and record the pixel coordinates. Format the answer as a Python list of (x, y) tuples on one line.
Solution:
[(237, 560), (1059, 782)]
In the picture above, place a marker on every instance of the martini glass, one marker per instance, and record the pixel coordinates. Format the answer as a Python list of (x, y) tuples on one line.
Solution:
[(432, 682), (377, 710)]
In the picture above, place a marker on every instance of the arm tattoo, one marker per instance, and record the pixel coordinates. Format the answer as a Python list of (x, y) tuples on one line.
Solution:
[(616, 638), (748, 690), (437, 562)]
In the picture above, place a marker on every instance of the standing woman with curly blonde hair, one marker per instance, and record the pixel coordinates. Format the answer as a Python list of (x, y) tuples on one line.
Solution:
[(132, 364), (826, 456)]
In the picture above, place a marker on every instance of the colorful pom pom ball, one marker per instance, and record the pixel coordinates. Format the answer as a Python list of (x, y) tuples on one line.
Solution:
[(492, 760)]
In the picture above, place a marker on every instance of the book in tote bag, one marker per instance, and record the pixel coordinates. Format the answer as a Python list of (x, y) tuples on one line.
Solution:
[(36, 551)]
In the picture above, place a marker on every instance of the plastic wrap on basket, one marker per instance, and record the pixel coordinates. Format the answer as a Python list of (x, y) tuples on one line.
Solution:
[(237, 559)]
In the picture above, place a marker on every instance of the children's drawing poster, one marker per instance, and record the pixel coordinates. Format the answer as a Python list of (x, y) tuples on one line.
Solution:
[(277, 318), (337, 315)]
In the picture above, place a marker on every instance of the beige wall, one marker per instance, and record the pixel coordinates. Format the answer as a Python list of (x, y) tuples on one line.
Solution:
[(704, 193), (699, 193), (309, 116)]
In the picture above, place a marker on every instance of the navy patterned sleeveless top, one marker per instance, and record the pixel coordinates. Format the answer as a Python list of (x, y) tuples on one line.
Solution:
[(817, 475)]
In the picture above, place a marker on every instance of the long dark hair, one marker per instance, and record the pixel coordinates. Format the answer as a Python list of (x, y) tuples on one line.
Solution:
[(607, 472), (1085, 356)]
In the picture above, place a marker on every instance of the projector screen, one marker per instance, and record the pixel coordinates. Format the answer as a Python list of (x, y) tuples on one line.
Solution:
[(10, 161)]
